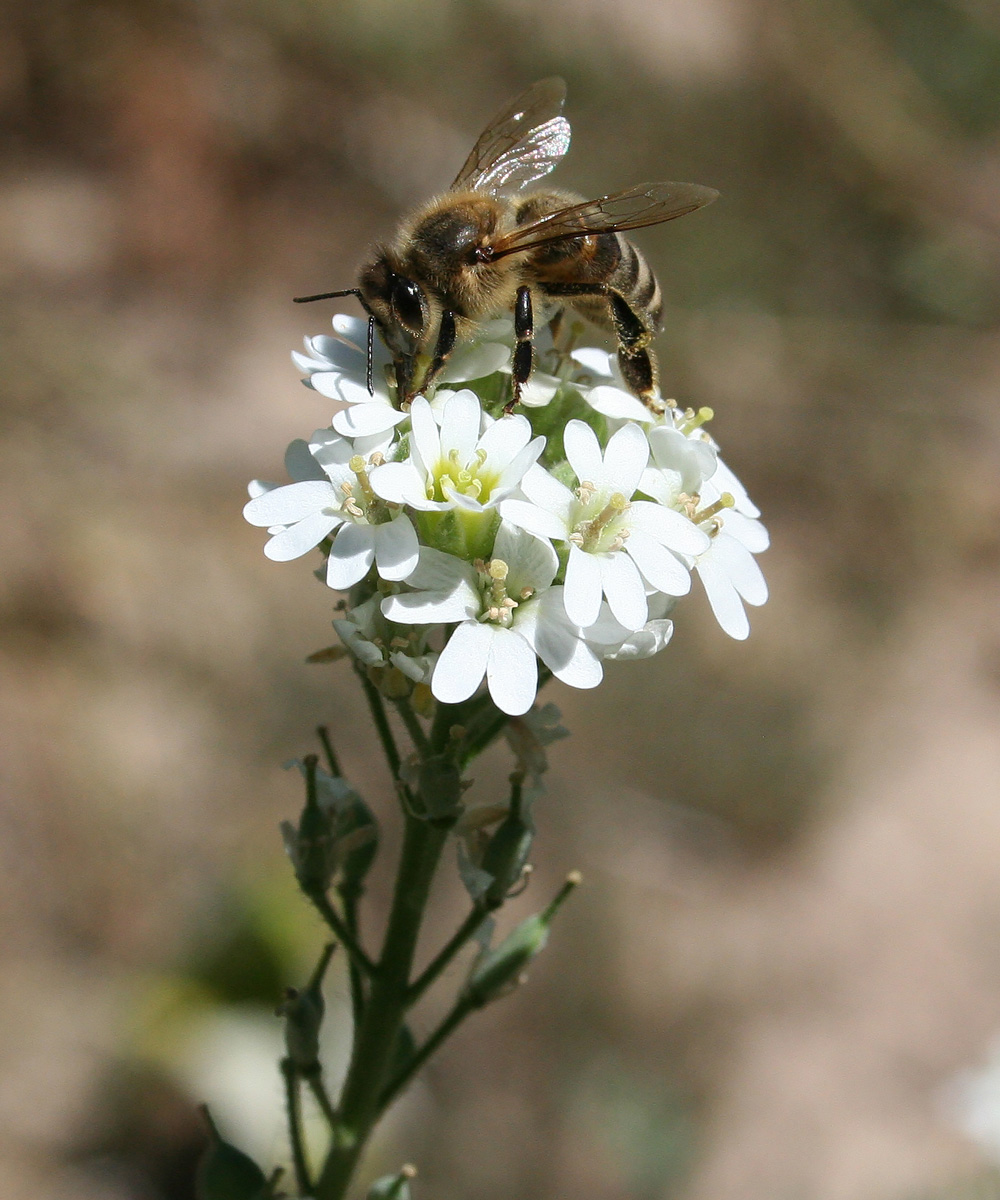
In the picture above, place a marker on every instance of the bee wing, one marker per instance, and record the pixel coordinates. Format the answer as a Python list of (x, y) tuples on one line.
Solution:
[(523, 142), (644, 204)]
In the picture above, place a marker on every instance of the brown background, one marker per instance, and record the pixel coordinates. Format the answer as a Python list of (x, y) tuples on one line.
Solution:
[(789, 940)]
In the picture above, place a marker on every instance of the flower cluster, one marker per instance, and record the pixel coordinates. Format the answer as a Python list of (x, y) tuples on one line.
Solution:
[(473, 544)]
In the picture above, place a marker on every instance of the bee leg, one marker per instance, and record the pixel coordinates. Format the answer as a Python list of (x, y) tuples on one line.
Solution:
[(524, 328), (442, 351), (635, 358)]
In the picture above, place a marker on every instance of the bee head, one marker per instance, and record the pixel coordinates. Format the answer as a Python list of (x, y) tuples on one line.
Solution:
[(402, 312)]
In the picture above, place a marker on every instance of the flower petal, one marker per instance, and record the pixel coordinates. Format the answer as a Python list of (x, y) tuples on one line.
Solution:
[(669, 528), (396, 548), (741, 567), (614, 402), (724, 599), (560, 645), (300, 538), (300, 463), (401, 483), (463, 416), (472, 360), (291, 503), (583, 451), (597, 362), (659, 567), (582, 594), (365, 420), (625, 459), (462, 664), (548, 493), (511, 672), (351, 556), (624, 589), (532, 518)]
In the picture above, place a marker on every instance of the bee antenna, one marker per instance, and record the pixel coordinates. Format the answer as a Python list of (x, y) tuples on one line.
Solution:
[(371, 355), (326, 296)]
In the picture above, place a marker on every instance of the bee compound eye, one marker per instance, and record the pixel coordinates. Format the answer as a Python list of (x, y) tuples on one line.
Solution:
[(408, 304)]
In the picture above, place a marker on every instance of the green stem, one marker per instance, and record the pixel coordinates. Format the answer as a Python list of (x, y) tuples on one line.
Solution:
[(340, 931), (331, 755), (462, 1008), (414, 728), (293, 1101), (349, 897), (461, 936), (377, 1036), (377, 707), (318, 1089)]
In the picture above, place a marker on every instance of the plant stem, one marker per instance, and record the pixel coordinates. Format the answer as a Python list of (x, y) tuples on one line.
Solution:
[(293, 1101), (461, 936), (462, 1008), (376, 1038), (340, 931), (350, 897), (413, 727), (331, 755), (377, 708), (318, 1089)]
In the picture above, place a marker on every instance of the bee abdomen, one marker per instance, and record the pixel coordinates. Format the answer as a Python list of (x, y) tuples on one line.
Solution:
[(633, 279)]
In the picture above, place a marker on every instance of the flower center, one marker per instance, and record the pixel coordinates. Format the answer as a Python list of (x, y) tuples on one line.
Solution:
[(360, 501), (605, 531), (453, 477), (498, 605), (726, 500)]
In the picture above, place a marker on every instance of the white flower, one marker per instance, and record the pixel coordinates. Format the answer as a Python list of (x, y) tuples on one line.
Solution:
[(309, 510), (337, 367), (374, 641), (506, 612), (456, 466), (728, 570), (616, 544)]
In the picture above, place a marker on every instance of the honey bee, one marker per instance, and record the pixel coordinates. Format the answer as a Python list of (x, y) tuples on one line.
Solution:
[(486, 248)]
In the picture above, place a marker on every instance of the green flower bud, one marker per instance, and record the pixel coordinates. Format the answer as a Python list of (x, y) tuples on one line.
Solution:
[(499, 969), (393, 1187), (225, 1173), (507, 852)]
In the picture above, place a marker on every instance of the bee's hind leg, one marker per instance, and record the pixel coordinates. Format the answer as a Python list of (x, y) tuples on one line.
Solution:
[(524, 329)]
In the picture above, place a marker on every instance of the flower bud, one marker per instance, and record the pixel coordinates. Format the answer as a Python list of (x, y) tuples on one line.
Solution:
[(498, 969), (303, 1012), (507, 852), (225, 1173), (393, 1187)]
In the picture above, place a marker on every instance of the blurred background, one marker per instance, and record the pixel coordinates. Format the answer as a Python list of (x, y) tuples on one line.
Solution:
[(782, 979)]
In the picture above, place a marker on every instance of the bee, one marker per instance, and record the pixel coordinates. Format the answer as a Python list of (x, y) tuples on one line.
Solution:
[(486, 247)]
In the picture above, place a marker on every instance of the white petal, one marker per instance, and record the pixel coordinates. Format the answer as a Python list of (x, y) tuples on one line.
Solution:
[(645, 642), (560, 646), (751, 533), (741, 567), (724, 599), (625, 459), (399, 482), (624, 589), (547, 492), (472, 360), (462, 664), (351, 556), (300, 463), (291, 503), (582, 594), (504, 440), (583, 451), (515, 470), (365, 420), (669, 528), (425, 437), (533, 563), (539, 390), (440, 572), (396, 548), (726, 481), (658, 566), (613, 402), (511, 672), (302, 537), (532, 518), (460, 427), (597, 362), (431, 608)]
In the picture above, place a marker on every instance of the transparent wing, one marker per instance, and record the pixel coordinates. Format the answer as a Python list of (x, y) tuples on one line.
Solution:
[(644, 204), (523, 142)]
